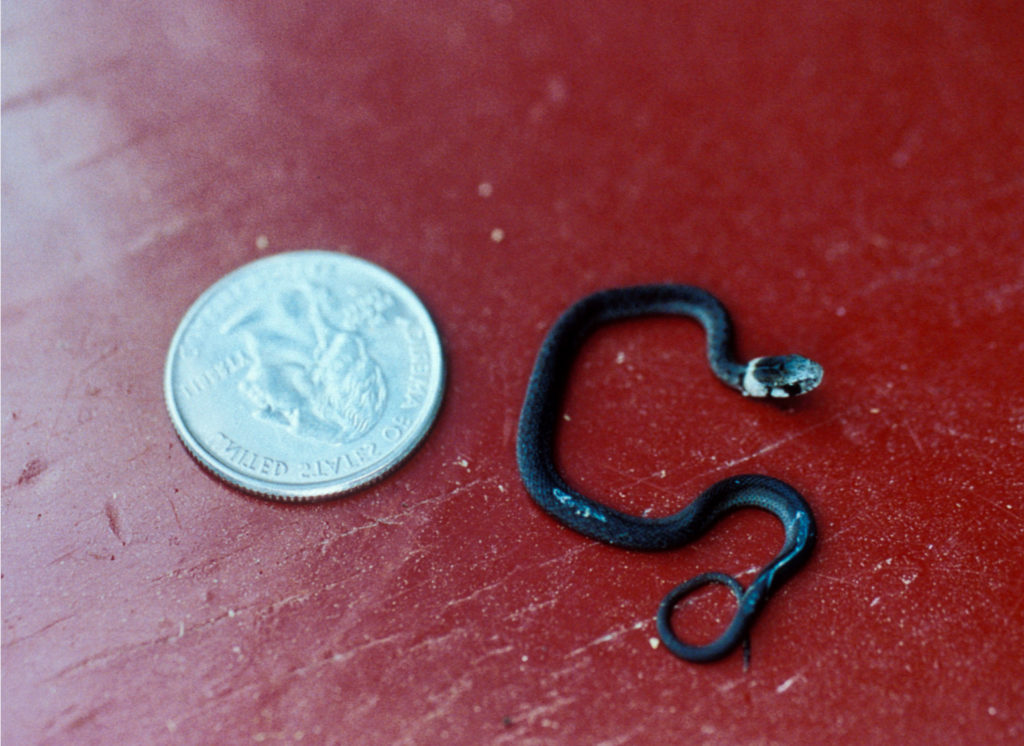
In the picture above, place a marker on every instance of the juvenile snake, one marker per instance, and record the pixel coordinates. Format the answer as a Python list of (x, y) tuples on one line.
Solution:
[(781, 376)]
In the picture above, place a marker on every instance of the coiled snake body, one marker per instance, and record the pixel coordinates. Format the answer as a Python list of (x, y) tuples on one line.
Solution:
[(782, 376)]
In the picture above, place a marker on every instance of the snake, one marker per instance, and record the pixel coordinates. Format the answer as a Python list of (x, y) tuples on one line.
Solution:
[(770, 377)]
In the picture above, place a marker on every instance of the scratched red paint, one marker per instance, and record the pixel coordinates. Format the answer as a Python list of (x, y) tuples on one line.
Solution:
[(847, 179)]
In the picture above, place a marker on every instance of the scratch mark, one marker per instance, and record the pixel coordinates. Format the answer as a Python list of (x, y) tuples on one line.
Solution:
[(728, 686), (530, 610), (140, 454), (36, 633), (508, 427), (493, 653), (902, 275), (852, 583), (647, 480), (32, 469), (108, 352), (128, 144), (166, 230), (384, 522), (444, 702), (117, 522), (81, 720), (609, 637), (416, 508), (995, 503), (540, 712), (60, 86), (107, 655), (174, 509), (770, 447), (786, 685), (484, 589), (347, 655), (629, 736), (455, 634), (57, 560), (913, 437)]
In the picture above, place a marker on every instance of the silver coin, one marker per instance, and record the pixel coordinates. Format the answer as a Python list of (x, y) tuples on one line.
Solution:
[(304, 375)]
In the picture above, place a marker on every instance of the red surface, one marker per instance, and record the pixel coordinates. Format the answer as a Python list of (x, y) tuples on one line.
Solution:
[(849, 179)]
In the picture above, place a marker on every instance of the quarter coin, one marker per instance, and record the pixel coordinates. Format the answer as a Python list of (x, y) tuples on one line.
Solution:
[(304, 375)]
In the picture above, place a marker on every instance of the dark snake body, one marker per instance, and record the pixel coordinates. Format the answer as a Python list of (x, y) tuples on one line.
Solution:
[(536, 441)]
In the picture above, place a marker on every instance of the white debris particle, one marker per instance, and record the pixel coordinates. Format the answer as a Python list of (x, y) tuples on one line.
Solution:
[(485, 189), (262, 242), (785, 685), (654, 642), (497, 235)]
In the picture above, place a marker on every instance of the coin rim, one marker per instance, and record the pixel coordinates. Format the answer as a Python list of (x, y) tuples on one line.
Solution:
[(319, 491)]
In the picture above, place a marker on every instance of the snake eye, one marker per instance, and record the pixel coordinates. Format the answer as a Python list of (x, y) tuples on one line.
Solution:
[(793, 389)]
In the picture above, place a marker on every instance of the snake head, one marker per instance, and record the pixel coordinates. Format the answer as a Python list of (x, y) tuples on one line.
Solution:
[(780, 376)]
